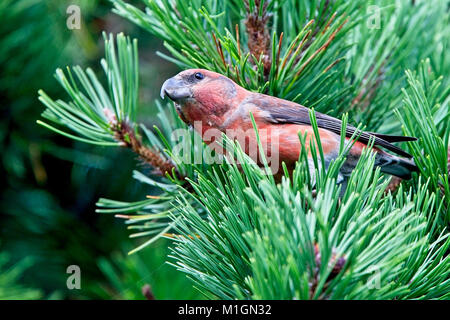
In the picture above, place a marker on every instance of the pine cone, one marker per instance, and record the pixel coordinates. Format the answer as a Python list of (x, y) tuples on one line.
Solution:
[(393, 185)]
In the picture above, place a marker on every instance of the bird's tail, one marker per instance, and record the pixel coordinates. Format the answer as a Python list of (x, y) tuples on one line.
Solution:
[(397, 166)]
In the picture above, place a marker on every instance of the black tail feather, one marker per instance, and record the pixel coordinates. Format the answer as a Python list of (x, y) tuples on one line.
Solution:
[(400, 167), (391, 138)]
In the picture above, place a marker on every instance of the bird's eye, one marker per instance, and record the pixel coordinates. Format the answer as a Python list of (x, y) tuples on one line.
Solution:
[(199, 76)]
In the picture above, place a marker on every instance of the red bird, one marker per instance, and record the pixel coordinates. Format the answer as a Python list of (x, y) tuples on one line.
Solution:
[(217, 103)]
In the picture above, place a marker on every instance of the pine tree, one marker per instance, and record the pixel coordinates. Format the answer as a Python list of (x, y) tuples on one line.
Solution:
[(235, 231)]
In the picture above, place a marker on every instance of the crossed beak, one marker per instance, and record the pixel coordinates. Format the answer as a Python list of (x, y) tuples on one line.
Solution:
[(176, 89)]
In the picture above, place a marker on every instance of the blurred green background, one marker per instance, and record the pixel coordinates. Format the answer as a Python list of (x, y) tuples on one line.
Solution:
[(50, 184)]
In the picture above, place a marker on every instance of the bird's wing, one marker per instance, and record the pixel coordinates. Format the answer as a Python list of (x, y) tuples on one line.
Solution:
[(280, 111)]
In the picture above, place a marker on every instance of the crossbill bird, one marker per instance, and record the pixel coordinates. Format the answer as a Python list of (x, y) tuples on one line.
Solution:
[(216, 102)]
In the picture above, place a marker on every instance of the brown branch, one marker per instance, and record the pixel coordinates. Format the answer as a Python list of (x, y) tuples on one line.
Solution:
[(219, 50), (238, 40), (329, 23), (332, 65), (125, 134), (238, 78), (277, 62)]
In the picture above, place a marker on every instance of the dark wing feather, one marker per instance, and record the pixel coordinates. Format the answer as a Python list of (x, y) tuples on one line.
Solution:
[(391, 138), (300, 115)]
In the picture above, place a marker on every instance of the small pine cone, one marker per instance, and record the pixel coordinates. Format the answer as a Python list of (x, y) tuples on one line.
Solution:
[(336, 261), (259, 40), (393, 185)]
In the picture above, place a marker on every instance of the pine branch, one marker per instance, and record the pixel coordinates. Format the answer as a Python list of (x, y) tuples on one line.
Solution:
[(281, 68), (126, 135), (236, 227), (369, 245), (425, 114), (105, 117)]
